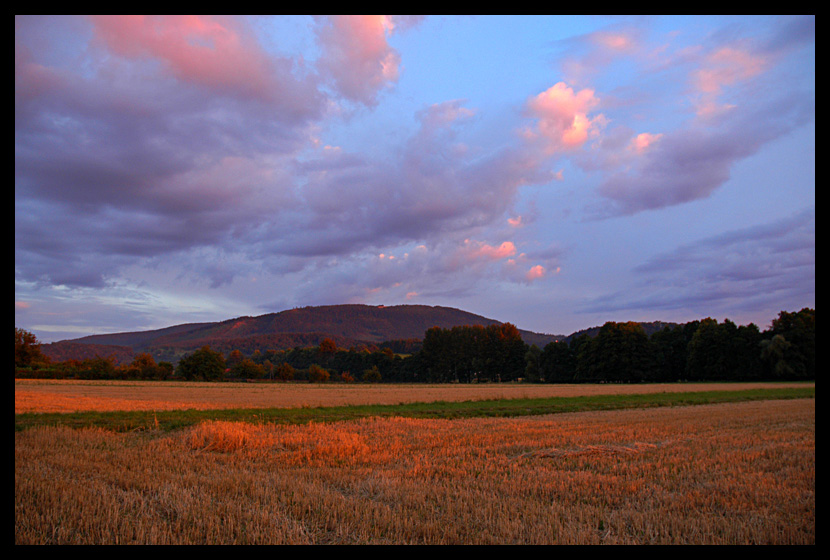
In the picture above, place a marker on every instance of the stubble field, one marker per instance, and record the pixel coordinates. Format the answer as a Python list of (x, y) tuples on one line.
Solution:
[(31, 395), (732, 473)]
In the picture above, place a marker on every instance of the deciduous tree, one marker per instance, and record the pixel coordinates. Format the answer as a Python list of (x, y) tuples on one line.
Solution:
[(27, 350), (204, 364)]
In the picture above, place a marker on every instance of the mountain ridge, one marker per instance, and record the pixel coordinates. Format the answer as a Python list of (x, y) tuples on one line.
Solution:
[(347, 324)]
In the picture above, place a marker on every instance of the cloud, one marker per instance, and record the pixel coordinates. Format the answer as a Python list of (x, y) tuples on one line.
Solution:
[(193, 149), (691, 163), (133, 153), (562, 117), (759, 269), (613, 40), (475, 251), (733, 88), (727, 66), (535, 272), (357, 56), (586, 56), (215, 52), (642, 141), (428, 191), (525, 269)]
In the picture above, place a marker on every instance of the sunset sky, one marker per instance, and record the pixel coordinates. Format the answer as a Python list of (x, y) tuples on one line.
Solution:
[(552, 172)]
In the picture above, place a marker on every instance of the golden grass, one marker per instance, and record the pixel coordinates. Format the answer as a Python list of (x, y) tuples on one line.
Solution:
[(738, 473), (81, 396)]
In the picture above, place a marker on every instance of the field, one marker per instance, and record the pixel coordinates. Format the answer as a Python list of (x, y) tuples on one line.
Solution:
[(32, 395), (726, 473)]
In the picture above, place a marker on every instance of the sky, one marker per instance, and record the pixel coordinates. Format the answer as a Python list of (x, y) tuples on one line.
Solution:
[(554, 172)]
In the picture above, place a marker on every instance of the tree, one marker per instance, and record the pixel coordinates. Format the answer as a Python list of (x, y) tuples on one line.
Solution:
[(165, 370), (371, 375), (704, 352), (234, 358), (204, 364), (711, 351), (143, 367), (745, 345), (247, 369), (97, 368), (316, 374), (557, 362), (284, 372), (473, 352), (533, 368), (799, 329), (27, 350), (436, 355), (511, 352), (621, 353), (583, 355), (327, 347), (669, 346), (774, 353)]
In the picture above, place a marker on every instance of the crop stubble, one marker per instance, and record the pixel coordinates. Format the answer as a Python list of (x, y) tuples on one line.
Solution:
[(715, 474), (82, 396)]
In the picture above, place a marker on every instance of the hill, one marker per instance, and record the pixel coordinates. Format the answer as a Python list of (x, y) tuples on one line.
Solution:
[(348, 325), (69, 350)]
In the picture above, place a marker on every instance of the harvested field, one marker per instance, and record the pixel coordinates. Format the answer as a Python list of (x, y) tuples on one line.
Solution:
[(80, 396), (736, 473)]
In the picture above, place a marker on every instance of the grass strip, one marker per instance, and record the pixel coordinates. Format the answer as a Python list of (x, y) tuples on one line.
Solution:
[(125, 421)]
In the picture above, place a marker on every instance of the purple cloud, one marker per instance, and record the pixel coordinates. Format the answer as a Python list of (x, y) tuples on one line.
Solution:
[(761, 269), (733, 105)]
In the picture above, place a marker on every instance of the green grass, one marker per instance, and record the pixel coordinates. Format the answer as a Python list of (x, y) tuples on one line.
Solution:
[(176, 419)]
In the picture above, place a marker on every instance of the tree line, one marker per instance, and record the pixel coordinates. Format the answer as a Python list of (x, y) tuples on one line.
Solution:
[(704, 350)]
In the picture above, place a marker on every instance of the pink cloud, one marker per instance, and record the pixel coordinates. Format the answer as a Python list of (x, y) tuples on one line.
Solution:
[(614, 41), (535, 273), (476, 250), (30, 78), (356, 54), (563, 116), (520, 269), (641, 142), (722, 68), (214, 51), (727, 66)]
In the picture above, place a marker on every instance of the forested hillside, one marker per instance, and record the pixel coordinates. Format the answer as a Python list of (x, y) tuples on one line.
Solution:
[(347, 325)]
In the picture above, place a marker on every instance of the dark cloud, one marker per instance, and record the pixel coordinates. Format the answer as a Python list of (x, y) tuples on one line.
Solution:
[(768, 267), (121, 163), (134, 162)]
